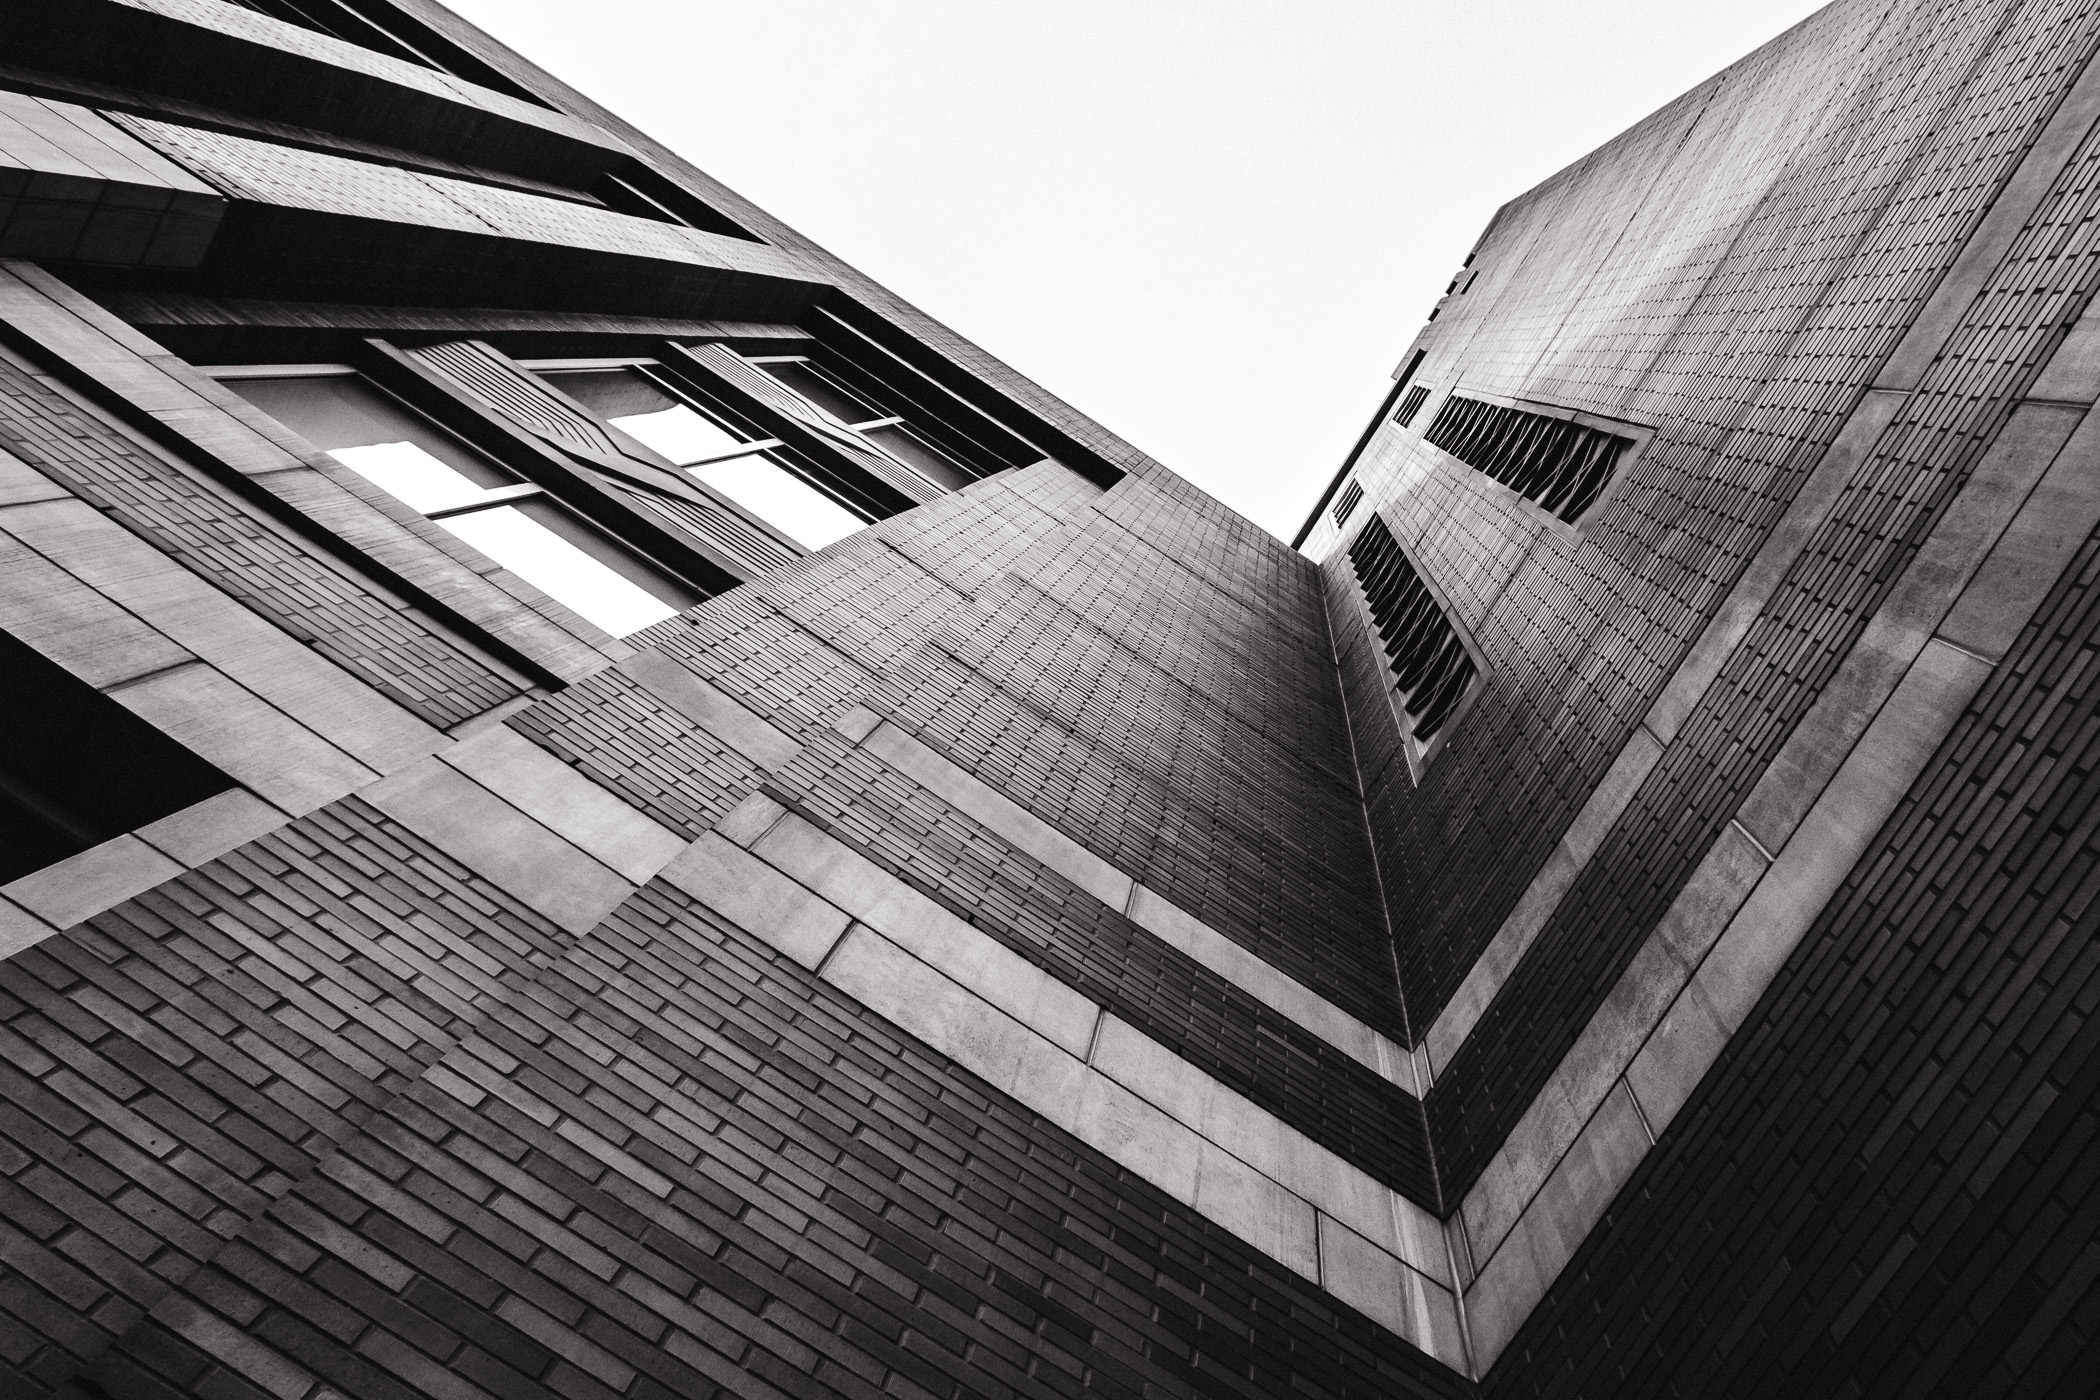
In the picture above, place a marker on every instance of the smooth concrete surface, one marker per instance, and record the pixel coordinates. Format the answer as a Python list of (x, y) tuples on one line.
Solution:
[(498, 841), (571, 805), (1574, 1199), (237, 641), (246, 738), (81, 886), (755, 896), (930, 933), (2050, 527), (209, 829), (709, 708), (1585, 1075)]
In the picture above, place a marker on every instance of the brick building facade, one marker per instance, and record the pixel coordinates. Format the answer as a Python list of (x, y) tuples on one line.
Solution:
[(490, 911)]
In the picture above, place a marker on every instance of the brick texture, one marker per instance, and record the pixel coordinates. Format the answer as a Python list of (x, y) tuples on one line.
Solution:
[(174, 1065), (434, 674), (670, 1163), (1887, 1186)]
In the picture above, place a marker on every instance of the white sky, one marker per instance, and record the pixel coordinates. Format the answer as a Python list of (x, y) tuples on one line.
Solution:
[(1212, 225)]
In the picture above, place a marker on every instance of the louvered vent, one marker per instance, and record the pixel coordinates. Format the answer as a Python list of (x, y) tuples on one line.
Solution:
[(1429, 661), (1346, 503), (1562, 465), (1411, 405), (516, 393)]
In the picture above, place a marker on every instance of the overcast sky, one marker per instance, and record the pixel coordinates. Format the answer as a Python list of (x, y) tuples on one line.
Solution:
[(1212, 226)]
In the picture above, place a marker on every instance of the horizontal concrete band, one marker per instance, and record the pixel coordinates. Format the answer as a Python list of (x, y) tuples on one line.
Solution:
[(495, 802), (909, 960), (2029, 505), (1146, 908), (1607, 803), (2071, 378), (574, 851)]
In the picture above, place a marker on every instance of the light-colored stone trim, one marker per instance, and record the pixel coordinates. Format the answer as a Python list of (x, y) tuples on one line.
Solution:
[(1994, 234), (1573, 851), (1997, 487), (685, 692), (1145, 907), (563, 800), (1993, 556), (1673, 1011), (911, 961), (71, 329), (1730, 623), (2071, 378), (530, 824)]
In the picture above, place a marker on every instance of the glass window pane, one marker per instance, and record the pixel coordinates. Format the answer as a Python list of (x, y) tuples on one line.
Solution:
[(405, 470), (930, 463), (781, 499), (559, 569), (337, 411), (678, 434)]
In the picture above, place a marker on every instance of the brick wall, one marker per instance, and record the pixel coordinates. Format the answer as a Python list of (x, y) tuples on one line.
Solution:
[(756, 1190), (1733, 271), (1887, 1185)]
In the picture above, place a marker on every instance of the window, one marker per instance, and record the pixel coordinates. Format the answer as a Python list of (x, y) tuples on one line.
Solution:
[(77, 768), (884, 430), (1346, 503), (515, 524), (1431, 668), (1411, 405), (739, 467), (1561, 464)]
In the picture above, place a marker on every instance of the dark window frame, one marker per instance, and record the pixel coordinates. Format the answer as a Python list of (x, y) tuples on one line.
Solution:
[(629, 553)]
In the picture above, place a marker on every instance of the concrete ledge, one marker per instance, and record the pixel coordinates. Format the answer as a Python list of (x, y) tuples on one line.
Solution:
[(1643, 993), (250, 741), (1012, 822), (567, 803), (209, 829), (709, 708), (82, 886), (1456, 1021), (496, 840), (954, 987), (1144, 907), (1697, 979), (2040, 540), (1743, 913), (199, 618), (1572, 1201), (1753, 588), (758, 898)]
